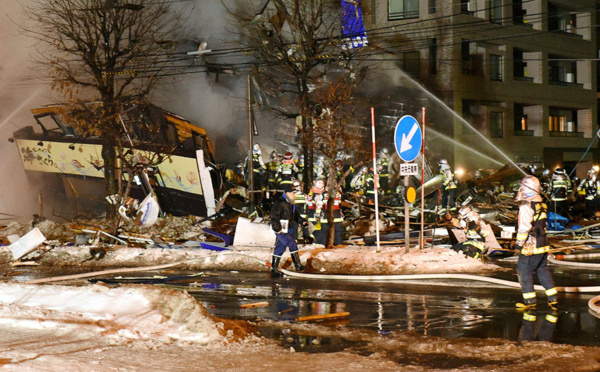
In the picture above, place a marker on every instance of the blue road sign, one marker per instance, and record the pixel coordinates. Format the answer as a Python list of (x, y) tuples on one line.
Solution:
[(408, 138)]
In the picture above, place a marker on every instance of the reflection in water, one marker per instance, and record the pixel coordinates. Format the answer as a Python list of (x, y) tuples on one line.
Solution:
[(527, 331)]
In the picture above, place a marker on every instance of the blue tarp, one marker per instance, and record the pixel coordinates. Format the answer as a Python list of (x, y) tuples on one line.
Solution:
[(556, 222)]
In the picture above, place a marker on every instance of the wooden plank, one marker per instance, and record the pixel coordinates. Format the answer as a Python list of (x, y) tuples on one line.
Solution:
[(253, 305), (324, 316)]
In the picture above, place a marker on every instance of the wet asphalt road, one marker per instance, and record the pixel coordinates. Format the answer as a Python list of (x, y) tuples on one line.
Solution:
[(447, 308), (437, 308)]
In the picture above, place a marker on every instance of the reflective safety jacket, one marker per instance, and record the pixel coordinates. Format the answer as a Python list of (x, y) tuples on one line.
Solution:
[(448, 181), (314, 206), (337, 212), (300, 203), (531, 227), (589, 188), (560, 188)]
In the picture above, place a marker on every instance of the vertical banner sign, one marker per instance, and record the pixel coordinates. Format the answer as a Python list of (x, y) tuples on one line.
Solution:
[(353, 27)]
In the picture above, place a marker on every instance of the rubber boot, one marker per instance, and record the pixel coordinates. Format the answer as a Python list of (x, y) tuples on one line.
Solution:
[(297, 262), (275, 273)]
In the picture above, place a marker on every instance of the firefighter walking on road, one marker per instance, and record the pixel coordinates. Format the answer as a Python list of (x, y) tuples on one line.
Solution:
[(283, 214), (533, 245)]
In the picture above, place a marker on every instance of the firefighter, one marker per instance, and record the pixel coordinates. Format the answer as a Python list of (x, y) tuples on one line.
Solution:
[(300, 202), (533, 245), (314, 207), (283, 213), (475, 232), (319, 168), (560, 187), (258, 168), (300, 167), (272, 170), (237, 175), (338, 218), (448, 187), (588, 188), (383, 165), (287, 171), (370, 187), (357, 184)]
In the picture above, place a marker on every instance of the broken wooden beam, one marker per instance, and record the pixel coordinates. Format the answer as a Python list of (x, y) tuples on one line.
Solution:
[(253, 305), (324, 316)]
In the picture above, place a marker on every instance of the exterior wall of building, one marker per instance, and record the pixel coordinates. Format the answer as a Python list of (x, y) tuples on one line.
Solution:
[(501, 61)]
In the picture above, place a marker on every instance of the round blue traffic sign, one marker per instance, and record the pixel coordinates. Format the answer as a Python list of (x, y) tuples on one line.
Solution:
[(408, 138)]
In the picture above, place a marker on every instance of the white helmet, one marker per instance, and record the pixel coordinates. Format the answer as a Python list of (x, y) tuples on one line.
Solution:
[(443, 163), (256, 149), (384, 151), (529, 190)]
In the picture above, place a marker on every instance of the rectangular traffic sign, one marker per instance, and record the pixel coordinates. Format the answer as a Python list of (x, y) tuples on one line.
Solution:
[(409, 169)]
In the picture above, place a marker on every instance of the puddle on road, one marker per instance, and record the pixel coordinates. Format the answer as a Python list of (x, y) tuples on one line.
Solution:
[(430, 309)]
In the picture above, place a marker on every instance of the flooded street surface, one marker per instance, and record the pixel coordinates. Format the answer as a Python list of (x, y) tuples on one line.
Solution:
[(446, 308)]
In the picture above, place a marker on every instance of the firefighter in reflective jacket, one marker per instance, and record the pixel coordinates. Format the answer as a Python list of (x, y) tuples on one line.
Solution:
[(383, 165), (560, 187), (314, 206), (283, 213), (300, 203), (370, 187), (475, 231), (448, 187), (338, 218), (533, 245), (258, 168), (588, 188), (272, 169), (287, 170)]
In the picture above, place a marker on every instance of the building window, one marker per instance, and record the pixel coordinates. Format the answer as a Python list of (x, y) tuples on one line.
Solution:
[(496, 124), (496, 67), (410, 62), (518, 12), (433, 56), (402, 9), (471, 58), (467, 7), (496, 11), (432, 8)]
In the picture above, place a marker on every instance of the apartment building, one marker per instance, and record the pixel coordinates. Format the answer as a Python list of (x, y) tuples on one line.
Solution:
[(520, 72)]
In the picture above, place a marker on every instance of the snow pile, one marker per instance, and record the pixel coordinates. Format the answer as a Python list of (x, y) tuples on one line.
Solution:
[(123, 314)]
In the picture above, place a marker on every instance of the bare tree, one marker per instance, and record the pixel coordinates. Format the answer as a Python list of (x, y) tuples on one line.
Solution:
[(109, 51), (340, 120), (295, 43)]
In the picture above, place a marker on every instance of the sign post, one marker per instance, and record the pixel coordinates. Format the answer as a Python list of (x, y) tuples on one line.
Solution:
[(407, 141)]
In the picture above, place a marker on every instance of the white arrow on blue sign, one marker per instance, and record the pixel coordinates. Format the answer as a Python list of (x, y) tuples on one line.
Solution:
[(408, 138)]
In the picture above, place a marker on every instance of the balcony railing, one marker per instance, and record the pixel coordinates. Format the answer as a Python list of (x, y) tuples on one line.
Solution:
[(524, 133), (566, 134)]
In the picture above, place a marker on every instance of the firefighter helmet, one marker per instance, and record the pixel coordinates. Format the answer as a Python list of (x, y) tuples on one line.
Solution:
[(384, 152), (443, 164), (288, 156), (256, 149), (318, 186), (591, 174), (239, 167), (559, 172), (529, 189), (338, 164), (297, 185)]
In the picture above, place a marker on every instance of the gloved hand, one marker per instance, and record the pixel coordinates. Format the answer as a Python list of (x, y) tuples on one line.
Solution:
[(308, 240)]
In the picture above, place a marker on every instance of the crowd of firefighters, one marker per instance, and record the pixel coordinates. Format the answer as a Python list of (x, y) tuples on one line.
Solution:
[(286, 171), (291, 209)]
